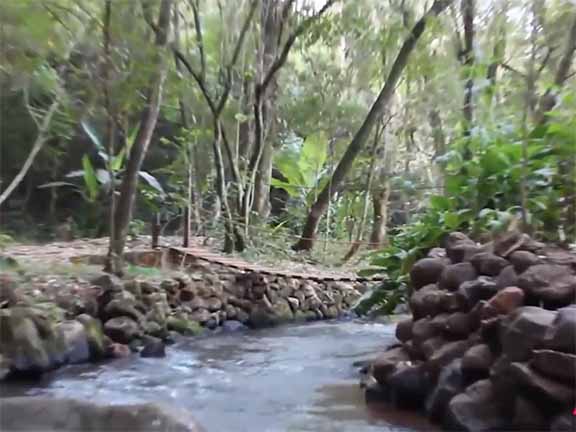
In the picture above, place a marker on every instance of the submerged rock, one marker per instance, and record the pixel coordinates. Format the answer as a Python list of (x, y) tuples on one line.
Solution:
[(67, 415)]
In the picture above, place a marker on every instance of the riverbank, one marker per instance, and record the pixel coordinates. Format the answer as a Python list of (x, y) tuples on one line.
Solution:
[(491, 344), (294, 377), (62, 313)]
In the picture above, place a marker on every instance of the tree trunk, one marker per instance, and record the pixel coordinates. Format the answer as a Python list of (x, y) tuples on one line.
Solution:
[(306, 241), (468, 7), (149, 117), (270, 25), (380, 199)]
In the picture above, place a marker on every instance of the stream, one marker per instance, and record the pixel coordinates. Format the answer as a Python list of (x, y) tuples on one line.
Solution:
[(289, 378)]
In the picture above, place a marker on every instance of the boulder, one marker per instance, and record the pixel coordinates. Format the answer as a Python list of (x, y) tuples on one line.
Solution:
[(29, 342), (186, 295), (522, 260), (214, 304), (94, 335), (507, 300), (426, 271), (450, 382), (454, 302), (423, 329), (153, 347), (122, 329), (541, 388), (404, 330), (477, 361), (201, 316), (118, 351), (386, 363), (527, 414), (232, 326), (456, 274), (459, 247), (488, 264), (76, 341), (507, 277), (554, 284), (524, 329), (460, 324), (477, 409), (473, 291), (426, 301), (556, 365), (430, 346), (68, 415), (408, 385), (560, 335), (439, 321), (182, 325), (446, 354), (122, 307)]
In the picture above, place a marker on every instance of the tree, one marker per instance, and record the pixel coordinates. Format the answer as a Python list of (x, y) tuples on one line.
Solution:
[(306, 241), (149, 117)]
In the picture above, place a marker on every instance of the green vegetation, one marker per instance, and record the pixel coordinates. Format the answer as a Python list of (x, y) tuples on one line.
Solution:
[(356, 131)]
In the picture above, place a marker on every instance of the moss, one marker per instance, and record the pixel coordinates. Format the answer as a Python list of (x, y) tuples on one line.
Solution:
[(184, 326)]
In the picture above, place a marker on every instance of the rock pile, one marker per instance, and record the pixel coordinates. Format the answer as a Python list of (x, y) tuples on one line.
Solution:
[(492, 340), (111, 317)]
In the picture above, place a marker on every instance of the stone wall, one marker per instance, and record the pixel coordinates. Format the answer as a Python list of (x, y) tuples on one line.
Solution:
[(491, 344), (109, 317)]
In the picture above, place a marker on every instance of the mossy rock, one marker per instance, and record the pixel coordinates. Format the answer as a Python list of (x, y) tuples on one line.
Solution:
[(184, 326), (95, 335)]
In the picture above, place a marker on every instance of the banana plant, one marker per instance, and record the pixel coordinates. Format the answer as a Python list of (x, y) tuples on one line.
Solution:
[(97, 180)]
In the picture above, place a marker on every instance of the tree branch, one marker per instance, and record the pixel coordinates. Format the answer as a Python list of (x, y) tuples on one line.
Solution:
[(281, 59), (236, 53)]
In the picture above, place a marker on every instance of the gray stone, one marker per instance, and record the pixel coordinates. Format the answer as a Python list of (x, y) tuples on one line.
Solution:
[(450, 383), (522, 260), (523, 330), (560, 335), (552, 283), (477, 410), (556, 365), (122, 329), (386, 363), (507, 278), (404, 330), (488, 264), (479, 289), (426, 271), (477, 360), (542, 387), (153, 347), (456, 274), (67, 415), (76, 341)]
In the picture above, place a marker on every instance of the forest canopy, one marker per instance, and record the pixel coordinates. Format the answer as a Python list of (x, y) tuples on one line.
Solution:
[(365, 124)]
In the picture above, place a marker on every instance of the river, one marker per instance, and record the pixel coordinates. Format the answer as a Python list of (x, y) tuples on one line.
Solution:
[(288, 378)]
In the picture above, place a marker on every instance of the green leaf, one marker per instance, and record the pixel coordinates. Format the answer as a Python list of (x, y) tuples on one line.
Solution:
[(439, 202), (90, 178), (312, 157), (118, 160), (451, 220), (152, 181), (92, 135)]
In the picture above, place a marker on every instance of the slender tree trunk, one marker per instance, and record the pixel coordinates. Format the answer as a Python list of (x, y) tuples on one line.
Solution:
[(380, 200), (270, 24), (306, 241), (468, 10), (129, 185)]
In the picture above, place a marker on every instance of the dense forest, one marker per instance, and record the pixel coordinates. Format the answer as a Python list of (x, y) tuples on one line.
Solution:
[(363, 125)]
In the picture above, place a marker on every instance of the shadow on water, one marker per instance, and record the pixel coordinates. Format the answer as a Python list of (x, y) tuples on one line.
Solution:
[(290, 378)]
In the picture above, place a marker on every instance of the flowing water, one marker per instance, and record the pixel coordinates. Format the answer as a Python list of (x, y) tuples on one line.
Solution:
[(289, 378)]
